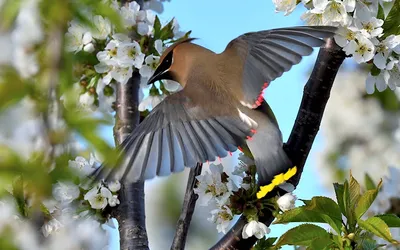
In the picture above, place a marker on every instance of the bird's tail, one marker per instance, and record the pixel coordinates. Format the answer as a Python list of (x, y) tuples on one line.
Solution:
[(273, 165)]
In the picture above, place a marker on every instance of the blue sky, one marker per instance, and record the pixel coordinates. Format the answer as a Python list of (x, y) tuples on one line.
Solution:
[(216, 23)]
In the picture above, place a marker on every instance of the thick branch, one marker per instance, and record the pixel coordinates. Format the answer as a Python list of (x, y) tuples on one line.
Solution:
[(188, 207), (130, 213), (315, 97)]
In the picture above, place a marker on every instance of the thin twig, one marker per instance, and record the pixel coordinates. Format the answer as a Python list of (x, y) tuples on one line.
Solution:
[(315, 97), (189, 204)]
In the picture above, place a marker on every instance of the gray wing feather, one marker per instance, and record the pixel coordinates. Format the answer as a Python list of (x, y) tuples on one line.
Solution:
[(268, 54), (173, 137)]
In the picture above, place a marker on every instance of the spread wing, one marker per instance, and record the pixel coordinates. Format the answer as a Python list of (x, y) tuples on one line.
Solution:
[(178, 132), (266, 55)]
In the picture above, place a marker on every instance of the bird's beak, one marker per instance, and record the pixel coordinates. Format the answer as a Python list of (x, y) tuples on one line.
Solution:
[(159, 74), (155, 77)]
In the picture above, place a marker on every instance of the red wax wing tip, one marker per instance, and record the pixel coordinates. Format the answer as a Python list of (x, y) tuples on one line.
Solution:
[(219, 158), (249, 138), (240, 148), (253, 131), (260, 98), (258, 103), (265, 85), (230, 153)]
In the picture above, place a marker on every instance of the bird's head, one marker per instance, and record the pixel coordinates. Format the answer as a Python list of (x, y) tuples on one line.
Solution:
[(170, 62)]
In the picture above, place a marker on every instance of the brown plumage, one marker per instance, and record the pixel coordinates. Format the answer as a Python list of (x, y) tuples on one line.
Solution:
[(220, 107)]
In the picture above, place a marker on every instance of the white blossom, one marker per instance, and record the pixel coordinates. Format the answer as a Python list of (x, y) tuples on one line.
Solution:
[(345, 34), (65, 192), (159, 46), (384, 49), (105, 101), (393, 68), (114, 186), (313, 17), (286, 6), (286, 202), (51, 227), (86, 101), (256, 228), (113, 201), (83, 166), (211, 187), (108, 56), (380, 81), (26, 34), (150, 102), (369, 25), (98, 197), (77, 37), (362, 50), (121, 74), (130, 54), (102, 27), (334, 11), (151, 63), (222, 217)]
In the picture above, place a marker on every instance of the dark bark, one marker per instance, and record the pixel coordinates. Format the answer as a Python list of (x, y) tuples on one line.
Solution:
[(131, 212), (189, 204), (316, 95)]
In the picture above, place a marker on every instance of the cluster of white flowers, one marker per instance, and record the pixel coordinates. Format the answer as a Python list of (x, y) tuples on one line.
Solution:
[(359, 133), (100, 196), (119, 56), (19, 43), (216, 188), (360, 34), (69, 198), (66, 232)]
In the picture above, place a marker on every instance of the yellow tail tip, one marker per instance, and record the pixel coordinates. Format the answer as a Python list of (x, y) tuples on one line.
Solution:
[(278, 180)]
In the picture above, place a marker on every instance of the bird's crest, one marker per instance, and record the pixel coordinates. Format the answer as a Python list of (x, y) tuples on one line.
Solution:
[(173, 46)]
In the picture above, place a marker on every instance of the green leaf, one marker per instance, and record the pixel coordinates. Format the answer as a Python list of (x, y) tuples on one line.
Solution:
[(391, 220), (303, 235), (264, 244), (157, 27), (381, 13), (12, 93), (328, 210), (8, 13), (355, 191), (167, 31), (349, 210), (18, 193), (339, 190), (366, 201), (299, 214), (391, 26), (378, 227), (369, 183), (322, 244)]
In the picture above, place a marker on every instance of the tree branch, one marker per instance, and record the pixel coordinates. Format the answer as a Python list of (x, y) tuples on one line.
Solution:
[(315, 97), (189, 204), (131, 212)]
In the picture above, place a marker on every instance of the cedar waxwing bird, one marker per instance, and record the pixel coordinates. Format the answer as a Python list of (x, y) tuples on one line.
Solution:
[(220, 108)]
